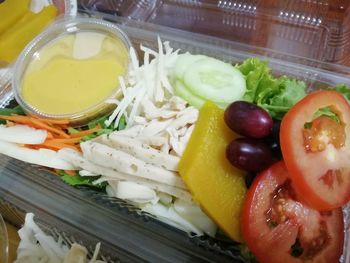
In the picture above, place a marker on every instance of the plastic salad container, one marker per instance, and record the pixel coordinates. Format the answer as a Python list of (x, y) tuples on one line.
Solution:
[(127, 234), (314, 29), (79, 49)]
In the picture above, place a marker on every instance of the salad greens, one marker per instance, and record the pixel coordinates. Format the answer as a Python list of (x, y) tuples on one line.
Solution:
[(275, 95), (96, 134), (278, 95), (78, 180), (104, 129), (343, 89), (9, 111), (327, 111)]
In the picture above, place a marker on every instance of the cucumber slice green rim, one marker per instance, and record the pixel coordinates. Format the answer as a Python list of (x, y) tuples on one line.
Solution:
[(183, 62), (183, 92), (215, 80)]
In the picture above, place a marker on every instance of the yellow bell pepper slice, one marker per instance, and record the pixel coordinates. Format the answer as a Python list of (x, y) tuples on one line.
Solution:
[(18, 36), (214, 183), (11, 11)]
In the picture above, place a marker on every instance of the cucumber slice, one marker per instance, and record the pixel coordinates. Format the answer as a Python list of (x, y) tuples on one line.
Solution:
[(215, 80), (183, 62), (183, 92)]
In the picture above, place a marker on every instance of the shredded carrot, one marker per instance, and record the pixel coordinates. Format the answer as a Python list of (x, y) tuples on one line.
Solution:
[(36, 123), (16, 118), (85, 132), (68, 141), (10, 123), (51, 121), (57, 136), (52, 144), (49, 135), (52, 129), (70, 172), (57, 144)]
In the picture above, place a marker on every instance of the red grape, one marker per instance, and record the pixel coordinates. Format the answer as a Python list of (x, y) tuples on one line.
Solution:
[(248, 119), (251, 155)]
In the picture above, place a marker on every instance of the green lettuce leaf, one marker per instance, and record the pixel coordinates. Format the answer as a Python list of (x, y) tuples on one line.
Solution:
[(101, 121), (105, 129), (275, 95), (9, 111), (96, 134), (78, 180), (343, 89), (282, 94), (254, 70), (327, 111), (93, 135)]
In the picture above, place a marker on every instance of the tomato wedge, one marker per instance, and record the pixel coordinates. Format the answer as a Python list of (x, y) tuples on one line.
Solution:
[(277, 227), (316, 149)]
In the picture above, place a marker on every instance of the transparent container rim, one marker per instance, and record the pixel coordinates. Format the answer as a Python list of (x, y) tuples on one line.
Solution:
[(64, 25)]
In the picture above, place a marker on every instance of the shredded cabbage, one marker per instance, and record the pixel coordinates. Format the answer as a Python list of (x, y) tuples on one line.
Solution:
[(149, 80), (37, 247)]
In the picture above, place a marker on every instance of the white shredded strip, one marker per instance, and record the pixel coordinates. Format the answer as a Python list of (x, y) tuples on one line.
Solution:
[(36, 246), (140, 163), (150, 80)]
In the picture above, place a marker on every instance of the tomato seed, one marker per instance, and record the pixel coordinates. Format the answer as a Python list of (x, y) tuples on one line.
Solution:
[(323, 131)]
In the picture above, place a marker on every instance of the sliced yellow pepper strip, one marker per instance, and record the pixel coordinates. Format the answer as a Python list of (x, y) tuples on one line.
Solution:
[(215, 184), (18, 36), (11, 11)]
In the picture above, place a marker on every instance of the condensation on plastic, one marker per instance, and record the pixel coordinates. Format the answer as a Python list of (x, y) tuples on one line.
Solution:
[(126, 234)]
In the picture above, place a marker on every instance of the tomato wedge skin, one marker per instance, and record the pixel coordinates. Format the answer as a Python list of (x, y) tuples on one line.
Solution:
[(306, 169), (273, 244)]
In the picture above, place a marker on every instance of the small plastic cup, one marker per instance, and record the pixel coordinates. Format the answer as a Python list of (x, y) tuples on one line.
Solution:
[(61, 28)]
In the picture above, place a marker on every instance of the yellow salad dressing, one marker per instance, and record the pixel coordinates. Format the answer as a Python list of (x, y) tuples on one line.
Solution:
[(74, 73)]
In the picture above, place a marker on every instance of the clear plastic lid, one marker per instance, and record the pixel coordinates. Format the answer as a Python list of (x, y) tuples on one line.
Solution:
[(311, 29), (127, 234)]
